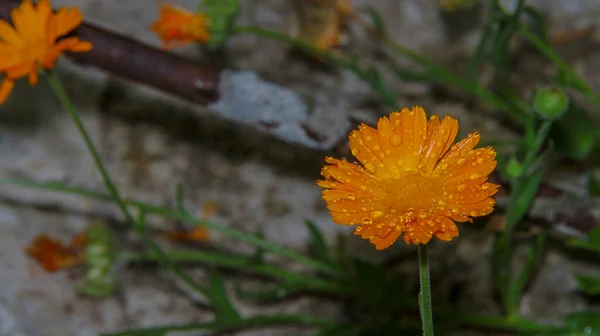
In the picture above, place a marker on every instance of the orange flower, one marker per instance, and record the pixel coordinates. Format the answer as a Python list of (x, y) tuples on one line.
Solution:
[(33, 42), (413, 181), (179, 27)]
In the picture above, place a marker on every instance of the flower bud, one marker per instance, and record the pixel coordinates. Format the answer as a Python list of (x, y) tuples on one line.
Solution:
[(221, 15), (550, 102)]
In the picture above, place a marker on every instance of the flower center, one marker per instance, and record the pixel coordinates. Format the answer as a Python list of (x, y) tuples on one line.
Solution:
[(413, 191)]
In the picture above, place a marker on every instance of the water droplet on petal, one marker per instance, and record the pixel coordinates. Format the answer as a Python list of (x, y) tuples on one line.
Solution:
[(376, 214), (485, 187), (358, 229), (363, 209), (461, 162), (388, 152), (412, 113), (396, 140), (367, 221), (474, 213), (443, 132), (400, 162), (451, 197), (376, 147), (475, 176), (355, 152), (371, 167), (351, 197), (480, 160), (369, 138), (462, 187)]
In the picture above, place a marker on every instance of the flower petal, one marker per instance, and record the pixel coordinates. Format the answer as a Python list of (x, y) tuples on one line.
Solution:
[(382, 237), (438, 142), (365, 144), (473, 167), (9, 35), (62, 23), (411, 127), (5, 89), (447, 230)]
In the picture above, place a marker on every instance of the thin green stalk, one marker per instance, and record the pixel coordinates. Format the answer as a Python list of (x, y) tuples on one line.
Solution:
[(248, 323), (540, 137), (114, 192), (553, 56), (243, 264), (163, 258), (61, 93), (425, 291), (186, 217)]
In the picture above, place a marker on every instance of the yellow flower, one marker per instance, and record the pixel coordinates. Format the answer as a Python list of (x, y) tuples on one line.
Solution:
[(178, 27), (33, 41), (412, 180)]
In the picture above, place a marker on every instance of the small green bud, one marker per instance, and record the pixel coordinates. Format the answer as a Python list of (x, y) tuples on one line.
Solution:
[(550, 102), (514, 168), (221, 15)]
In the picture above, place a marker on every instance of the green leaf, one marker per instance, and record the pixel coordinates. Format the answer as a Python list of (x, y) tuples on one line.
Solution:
[(414, 76), (575, 134), (531, 261), (589, 284), (318, 242), (263, 295), (225, 312), (591, 243), (377, 19), (585, 321), (522, 197)]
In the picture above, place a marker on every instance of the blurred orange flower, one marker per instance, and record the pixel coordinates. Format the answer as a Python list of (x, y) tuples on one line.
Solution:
[(53, 255), (321, 21), (412, 180), (178, 27), (33, 41), (197, 234)]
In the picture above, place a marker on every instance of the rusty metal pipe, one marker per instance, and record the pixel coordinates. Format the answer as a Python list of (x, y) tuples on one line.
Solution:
[(141, 63)]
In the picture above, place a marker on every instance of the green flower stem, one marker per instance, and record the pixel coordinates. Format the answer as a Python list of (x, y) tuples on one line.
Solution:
[(553, 56), (140, 226), (61, 93), (220, 328), (304, 282), (186, 217), (425, 291)]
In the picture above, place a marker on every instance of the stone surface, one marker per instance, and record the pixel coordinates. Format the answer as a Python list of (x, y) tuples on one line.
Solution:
[(256, 179)]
